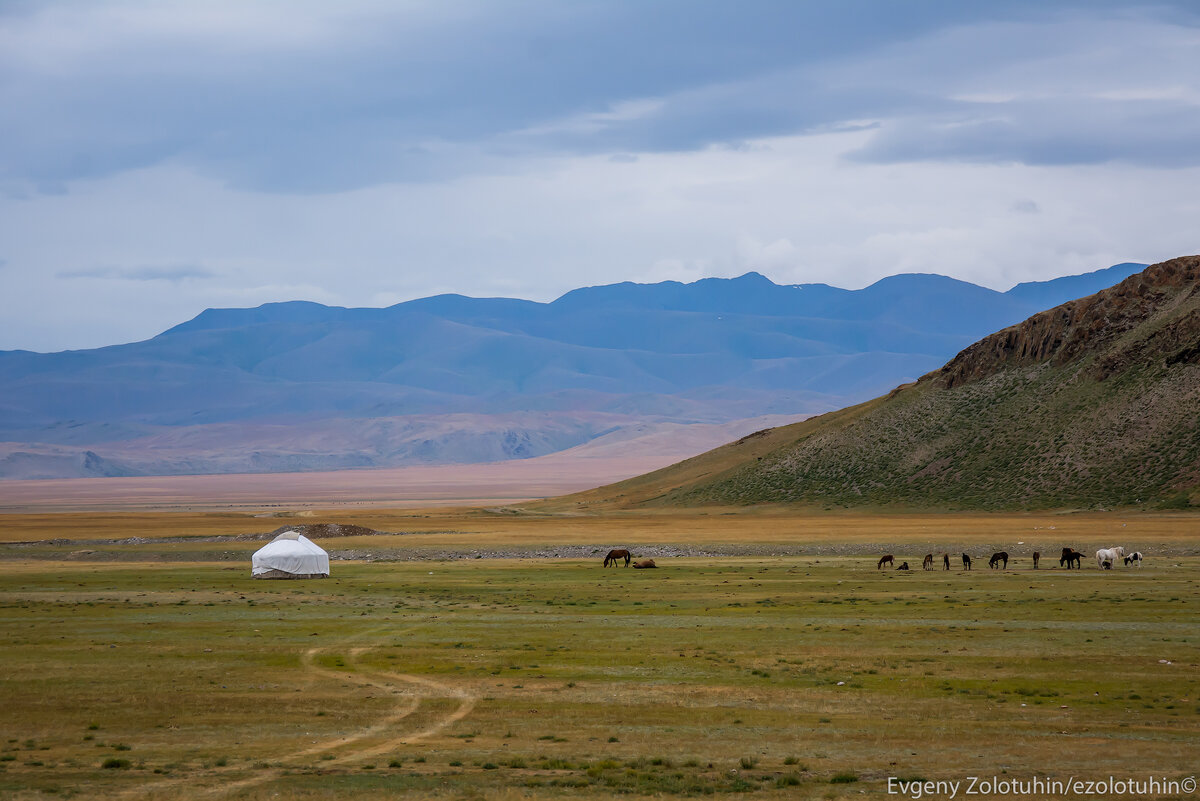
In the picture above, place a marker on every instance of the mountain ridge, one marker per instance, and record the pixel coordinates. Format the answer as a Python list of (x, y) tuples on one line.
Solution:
[(1092, 404), (709, 352)]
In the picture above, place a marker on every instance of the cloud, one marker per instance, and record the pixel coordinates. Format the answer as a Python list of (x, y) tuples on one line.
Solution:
[(1072, 90), (310, 97), (170, 273), (1053, 132), (227, 153)]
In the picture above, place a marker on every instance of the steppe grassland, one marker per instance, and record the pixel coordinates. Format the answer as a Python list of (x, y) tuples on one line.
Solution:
[(500, 678), (475, 528)]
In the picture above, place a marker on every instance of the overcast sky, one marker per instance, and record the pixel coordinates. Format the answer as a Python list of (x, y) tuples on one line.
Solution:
[(158, 158)]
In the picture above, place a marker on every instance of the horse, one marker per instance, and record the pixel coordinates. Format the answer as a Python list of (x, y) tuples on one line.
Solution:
[(1107, 565), (945, 561), (1135, 557), (1036, 556), (644, 564), (999, 556), (1071, 556), (928, 563), (966, 562), (886, 560), (1109, 555), (617, 555), (903, 566)]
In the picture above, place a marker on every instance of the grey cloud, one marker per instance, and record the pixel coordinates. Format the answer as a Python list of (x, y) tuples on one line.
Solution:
[(170, 273), (385, 93), (1063, 131), (1025, 207)]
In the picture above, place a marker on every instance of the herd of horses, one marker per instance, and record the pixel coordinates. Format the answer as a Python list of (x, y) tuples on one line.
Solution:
[(1105, 559), (1071, 558)]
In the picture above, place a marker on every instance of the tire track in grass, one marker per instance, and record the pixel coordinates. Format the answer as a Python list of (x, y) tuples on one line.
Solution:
[(415, 689), (381, 680)]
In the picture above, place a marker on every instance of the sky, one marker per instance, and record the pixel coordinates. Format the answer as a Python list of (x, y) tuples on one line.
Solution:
[(160, 158)]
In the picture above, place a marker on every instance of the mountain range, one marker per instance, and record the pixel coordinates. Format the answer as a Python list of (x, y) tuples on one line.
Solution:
[(302, 386), (1092, 404)]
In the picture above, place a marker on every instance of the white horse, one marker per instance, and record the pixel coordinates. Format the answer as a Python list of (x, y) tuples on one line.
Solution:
[(1135, 558), (1109, 555)]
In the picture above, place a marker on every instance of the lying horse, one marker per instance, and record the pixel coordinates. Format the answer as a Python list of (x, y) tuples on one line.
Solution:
[(966, 562), (999, 556), (1135, 557), (1036, 556), (928, 563), (1109, 555), (886, 560), (617, 555), (903, 566), (644, 564)]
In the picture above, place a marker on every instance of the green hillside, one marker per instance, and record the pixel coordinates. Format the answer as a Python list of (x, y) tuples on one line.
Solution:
[(1092, 404)]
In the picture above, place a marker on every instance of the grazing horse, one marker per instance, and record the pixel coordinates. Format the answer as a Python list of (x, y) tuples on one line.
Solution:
[(1036, 556), (644, 564), (1135, 557), (1071, 556), (945, 561), (903, 566), (1109, 555), (886, 560), (617, 555), (999, 556), (928, 563), (966, 562)]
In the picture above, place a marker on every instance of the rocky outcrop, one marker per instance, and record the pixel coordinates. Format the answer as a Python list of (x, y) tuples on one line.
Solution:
[(1094, 327)]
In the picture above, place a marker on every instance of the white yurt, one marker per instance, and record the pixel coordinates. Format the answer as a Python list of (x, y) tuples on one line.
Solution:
[(291, 555)]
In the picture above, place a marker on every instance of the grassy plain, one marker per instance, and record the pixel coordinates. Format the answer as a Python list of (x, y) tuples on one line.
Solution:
[(803, 675), (467, 528)]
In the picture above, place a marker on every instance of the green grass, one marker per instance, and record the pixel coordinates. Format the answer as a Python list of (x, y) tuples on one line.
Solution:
[(1044, 438), (717, 682)]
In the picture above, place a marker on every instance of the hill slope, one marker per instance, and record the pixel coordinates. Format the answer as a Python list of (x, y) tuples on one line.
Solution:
[(1094, 403)]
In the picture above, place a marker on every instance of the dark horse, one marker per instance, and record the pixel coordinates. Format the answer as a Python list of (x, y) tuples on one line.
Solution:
[(903, 566), (1069, 556), (928, 563), (966, 562), (887, 560), (617, 555), (945, 561), (999, 556), (1037, 555)]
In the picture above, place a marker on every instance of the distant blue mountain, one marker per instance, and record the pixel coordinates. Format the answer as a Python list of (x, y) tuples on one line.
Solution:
[(708, 351), (1048, 294)]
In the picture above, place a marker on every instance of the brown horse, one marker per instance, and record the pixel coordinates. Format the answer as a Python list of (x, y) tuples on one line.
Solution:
[(617, 555), (1036, 556), (928, 563), (887, 560), (1069, 556), (945, 561), (644, 564), (997, 558), (966, 562)]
